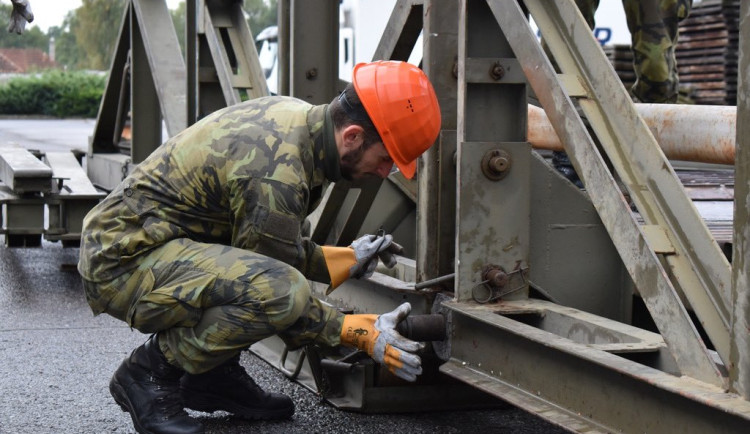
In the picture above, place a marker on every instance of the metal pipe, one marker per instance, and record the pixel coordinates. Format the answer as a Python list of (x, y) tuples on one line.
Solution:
[(434, 282), (685, 132), (423, 328)]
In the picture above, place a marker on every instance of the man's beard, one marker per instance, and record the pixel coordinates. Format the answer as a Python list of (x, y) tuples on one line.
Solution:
[(350, 162)]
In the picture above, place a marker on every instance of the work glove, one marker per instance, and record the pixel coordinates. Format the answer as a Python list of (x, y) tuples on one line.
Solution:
[(366, 251), (20, 15), (377, 336), (388, 255), (360, 258)]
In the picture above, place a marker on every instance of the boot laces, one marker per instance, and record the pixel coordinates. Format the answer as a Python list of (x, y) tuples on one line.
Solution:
[(169, 400), (239, 373)]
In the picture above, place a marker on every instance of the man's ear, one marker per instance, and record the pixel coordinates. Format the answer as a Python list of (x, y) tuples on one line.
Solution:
[(353, 136)]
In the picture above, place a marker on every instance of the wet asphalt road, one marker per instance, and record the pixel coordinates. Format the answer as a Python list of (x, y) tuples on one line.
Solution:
[(56, 358), (47, 135)]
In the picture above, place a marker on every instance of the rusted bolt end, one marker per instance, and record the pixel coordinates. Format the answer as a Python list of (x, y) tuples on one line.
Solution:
[(311, 73), (496, 277), (497, 71), (496, 164)]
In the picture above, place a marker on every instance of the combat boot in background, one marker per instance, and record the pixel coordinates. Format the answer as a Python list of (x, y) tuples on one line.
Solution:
[(148, 387), (561, 162), (229, 388)]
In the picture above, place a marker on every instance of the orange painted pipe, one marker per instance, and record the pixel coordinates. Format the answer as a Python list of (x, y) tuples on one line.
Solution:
[(699, 133)]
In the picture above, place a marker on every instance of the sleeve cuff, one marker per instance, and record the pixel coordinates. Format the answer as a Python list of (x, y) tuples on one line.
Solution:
[(338, 261)]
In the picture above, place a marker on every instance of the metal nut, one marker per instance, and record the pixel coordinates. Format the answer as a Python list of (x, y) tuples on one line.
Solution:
[(496, 164), (497, 71)]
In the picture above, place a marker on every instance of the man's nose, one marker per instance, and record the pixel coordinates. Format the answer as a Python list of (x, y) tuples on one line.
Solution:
[(384, 169)]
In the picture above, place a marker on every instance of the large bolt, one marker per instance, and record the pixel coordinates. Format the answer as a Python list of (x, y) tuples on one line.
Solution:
[(496, 278), (499, 164), (496, 164), (497, 71), (311, 73)]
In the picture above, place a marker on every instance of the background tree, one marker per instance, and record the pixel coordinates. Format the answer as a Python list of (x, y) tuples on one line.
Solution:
[(260, 14), (31, 38), (178, 18), (68, 54), (96, 27)]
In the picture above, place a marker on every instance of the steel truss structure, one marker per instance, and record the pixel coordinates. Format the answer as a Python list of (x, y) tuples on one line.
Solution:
[(543, 287)]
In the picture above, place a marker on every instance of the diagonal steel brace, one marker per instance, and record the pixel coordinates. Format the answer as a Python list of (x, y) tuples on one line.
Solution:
[(610, 108)]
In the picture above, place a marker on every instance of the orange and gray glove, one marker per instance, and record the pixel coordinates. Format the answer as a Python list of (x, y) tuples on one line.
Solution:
[(377, 336), (19, 16), (361, 258)]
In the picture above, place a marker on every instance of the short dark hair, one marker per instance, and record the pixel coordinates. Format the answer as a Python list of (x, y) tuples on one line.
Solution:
[(347, 109)]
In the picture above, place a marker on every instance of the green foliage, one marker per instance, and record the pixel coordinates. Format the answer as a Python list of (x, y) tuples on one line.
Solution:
[(31, 38), (68, 54), (96, 27), (53, 93), (261, 14), (88, 35), (178, 19)]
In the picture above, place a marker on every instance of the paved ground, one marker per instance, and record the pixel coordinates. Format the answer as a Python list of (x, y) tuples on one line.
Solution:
[(48, 135), (56, 358)]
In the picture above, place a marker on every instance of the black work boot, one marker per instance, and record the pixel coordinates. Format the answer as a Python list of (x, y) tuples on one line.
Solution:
[(561, 162), (229, 388), (148, 387)]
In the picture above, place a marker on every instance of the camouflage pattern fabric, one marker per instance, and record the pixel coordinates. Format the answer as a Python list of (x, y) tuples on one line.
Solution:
[(201, 242), (653, 29), (653, 26)]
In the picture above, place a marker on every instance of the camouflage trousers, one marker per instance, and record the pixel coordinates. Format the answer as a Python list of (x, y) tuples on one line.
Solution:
[(653, 26), (208, 302)]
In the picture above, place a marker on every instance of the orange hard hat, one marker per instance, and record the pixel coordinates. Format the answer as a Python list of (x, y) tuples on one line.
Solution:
[(402, 105)]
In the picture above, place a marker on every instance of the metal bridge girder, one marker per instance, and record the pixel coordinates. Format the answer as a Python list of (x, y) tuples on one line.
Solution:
[(697, 267), (633, 243), (513, 348), (148, 53)]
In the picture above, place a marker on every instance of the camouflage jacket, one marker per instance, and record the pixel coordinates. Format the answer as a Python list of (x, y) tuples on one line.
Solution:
[(245, 176)]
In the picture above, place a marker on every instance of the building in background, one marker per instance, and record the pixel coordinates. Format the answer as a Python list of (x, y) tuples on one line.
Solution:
[(24, 60)]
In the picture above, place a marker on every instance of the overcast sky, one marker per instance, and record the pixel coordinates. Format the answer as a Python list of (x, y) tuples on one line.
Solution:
[(48, 13)]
